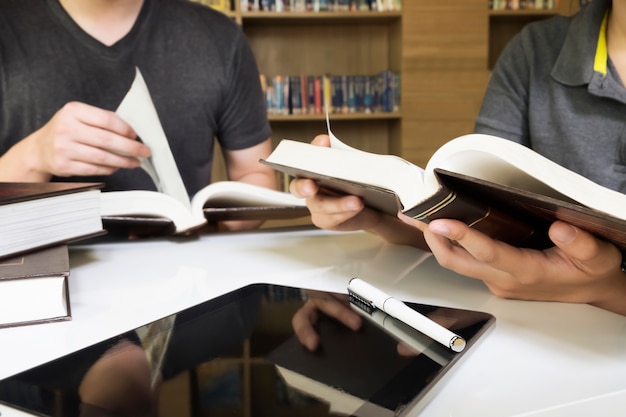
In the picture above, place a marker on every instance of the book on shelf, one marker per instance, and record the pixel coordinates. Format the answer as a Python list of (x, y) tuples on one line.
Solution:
[(497, 186), (316, 5), (34, 287), (170, 209), (39, 214), (347, 93)]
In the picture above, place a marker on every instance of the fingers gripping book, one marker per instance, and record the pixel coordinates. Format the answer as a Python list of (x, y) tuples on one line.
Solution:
[(170, 208), (497, 186)]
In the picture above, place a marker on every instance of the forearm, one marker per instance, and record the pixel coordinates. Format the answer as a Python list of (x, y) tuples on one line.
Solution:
[(256, 174), (265, 179), (20, 163), (613, 296)]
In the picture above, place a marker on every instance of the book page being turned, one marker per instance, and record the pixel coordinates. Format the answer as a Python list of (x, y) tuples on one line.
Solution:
[(138, 110)]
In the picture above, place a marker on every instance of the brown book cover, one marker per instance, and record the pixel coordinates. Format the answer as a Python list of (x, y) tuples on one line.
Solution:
[(534, 210), (15, 192), (213, 214), (34, 287)]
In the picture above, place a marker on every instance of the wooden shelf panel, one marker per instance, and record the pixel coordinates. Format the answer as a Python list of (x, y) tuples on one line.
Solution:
[(272, 17), (335, 116), (291, 49), (524, 12)]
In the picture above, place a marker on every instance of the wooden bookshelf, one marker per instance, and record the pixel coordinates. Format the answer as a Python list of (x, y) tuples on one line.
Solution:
[(329, 42), (317, 43), (504, 24)]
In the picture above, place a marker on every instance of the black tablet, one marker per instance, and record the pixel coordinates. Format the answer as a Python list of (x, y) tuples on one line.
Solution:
[(237, 355)]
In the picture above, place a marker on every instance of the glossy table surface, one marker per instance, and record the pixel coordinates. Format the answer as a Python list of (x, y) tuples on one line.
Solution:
[(540, 356)]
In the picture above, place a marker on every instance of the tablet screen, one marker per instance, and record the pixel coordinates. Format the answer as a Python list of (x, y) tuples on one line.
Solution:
[(237, 355)]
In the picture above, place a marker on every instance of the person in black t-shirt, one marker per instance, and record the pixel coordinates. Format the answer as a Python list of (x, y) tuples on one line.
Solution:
[(65, 66)]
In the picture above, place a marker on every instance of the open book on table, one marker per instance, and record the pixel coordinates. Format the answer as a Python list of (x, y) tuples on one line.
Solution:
[(497, 186), (169, 209), (223, 200)]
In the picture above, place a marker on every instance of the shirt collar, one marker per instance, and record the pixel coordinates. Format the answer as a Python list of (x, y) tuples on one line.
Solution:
[(585, 44)]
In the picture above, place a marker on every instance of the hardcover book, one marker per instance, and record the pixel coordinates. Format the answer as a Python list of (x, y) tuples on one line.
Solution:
[(497, 186), (34, 287), (36, 215)]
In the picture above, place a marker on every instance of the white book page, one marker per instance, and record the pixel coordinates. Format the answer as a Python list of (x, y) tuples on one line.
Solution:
[(32, 299), (509, 163), (149, 203), (383, 171), (406, 179), (138, 110), (242, 194)]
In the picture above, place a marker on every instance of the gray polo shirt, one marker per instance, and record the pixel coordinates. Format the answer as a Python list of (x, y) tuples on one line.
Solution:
[(546, 94)]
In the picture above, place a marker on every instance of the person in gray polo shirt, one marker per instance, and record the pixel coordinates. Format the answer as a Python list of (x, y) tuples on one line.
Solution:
[(558, 89)]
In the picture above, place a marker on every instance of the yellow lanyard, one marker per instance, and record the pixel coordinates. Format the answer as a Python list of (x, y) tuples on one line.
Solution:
[(601, 58)]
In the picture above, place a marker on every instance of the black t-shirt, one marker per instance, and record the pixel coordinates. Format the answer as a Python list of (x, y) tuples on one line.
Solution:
[(196, 62)]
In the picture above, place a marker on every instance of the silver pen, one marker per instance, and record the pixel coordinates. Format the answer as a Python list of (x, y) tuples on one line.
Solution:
[(371, 297)]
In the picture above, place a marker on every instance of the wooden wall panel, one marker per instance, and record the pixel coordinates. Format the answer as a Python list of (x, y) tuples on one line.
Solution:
[(444, 72)]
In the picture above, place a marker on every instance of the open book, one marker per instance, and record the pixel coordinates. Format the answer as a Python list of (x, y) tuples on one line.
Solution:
[(169, 209), (497, 186), (223, 200)]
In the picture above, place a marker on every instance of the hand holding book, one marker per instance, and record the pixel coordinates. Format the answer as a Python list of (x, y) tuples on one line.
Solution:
[(529, 192)]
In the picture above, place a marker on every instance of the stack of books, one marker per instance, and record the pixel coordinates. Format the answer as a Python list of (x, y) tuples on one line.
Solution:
[(37, 222)]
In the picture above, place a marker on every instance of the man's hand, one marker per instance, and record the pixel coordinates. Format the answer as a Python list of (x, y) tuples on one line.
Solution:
[(79, 140), (348, 213), (578, 269)]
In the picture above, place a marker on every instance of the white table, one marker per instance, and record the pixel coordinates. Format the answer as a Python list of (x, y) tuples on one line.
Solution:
[(539, 356)]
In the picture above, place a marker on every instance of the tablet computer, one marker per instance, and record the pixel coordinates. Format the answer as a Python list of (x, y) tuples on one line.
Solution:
[(238, 355)]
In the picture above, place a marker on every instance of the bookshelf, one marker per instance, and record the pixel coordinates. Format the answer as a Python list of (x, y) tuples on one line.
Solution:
[(317, 43), (327, 42), (506, 23)]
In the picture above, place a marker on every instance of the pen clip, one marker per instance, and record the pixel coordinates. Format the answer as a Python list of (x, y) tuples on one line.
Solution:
[(360, 302)]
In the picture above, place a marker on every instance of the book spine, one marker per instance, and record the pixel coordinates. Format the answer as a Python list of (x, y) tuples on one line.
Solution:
[(344, 94), (304, 94), (278, 103), (318, 93), (351, 94), (336, 94), (387, 96), (498, 224), (296, 95), (368, 95), (286, 96), (359, 93), (327, 93)]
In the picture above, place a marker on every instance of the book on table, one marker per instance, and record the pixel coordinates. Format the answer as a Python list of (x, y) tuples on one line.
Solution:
[(36, 215), (219, 201), (169, 209), (497, 186), (34, 287)]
